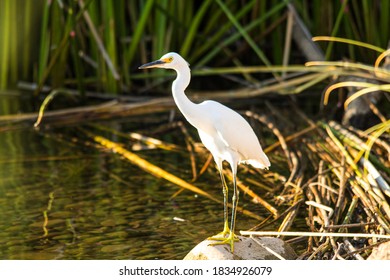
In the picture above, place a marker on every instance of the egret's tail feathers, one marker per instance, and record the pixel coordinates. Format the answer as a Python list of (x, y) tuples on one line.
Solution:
[(263, 163)]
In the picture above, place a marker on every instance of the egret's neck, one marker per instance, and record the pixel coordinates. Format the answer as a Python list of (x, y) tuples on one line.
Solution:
[(186, 106)]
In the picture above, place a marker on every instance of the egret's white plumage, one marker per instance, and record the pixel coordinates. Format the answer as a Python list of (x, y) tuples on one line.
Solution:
[(224, 132)]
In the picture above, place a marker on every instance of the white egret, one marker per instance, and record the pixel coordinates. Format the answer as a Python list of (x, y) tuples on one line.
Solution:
[(224, 132)]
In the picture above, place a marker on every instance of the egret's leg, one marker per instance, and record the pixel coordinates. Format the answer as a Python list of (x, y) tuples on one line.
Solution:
[(226, 230), (231, 238)]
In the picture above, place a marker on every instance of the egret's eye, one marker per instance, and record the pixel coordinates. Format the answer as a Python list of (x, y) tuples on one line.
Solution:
[(168, 59)]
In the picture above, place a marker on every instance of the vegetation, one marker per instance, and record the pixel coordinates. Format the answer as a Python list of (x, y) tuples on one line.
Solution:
[(97, 45)]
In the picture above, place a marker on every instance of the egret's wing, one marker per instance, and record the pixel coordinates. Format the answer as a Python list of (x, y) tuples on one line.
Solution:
[(236, 133)]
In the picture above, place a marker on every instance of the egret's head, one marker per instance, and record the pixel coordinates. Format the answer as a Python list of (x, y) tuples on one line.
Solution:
[(170, 60)]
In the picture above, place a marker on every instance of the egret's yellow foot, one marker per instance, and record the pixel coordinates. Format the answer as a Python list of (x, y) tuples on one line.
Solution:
[(227, 240), (222, 235)]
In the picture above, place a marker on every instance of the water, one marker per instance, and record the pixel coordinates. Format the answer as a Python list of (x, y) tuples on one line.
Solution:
[(63, 199)]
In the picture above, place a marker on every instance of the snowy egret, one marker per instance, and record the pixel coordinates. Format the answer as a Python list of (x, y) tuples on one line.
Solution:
[(224, 132)]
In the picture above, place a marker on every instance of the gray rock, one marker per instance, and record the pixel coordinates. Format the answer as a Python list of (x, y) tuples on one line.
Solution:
[(248, 248), (382, 252)]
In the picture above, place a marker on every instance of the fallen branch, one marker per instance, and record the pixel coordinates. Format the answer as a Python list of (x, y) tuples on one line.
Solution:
[(157, 171)]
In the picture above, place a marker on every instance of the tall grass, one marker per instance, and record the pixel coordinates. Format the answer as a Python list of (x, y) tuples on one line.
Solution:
[(5, 50), (101, 48), (17, 44)]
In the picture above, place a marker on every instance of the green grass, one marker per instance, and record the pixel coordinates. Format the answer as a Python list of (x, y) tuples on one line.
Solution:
[(120, 35)]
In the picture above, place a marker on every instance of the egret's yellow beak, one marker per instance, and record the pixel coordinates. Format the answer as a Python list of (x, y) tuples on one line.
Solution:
[(152, 64)]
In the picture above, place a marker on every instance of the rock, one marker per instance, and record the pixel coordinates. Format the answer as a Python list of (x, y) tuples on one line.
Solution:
[(382, 252), (248, 248)]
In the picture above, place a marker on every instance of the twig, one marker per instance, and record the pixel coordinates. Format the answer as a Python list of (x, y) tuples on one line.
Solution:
[(352, 249), (206, 164), (341, 195), (320, 248), (315, 234), (323, 208), (289, 138), (267, 248), (344, 226), (189, 143)]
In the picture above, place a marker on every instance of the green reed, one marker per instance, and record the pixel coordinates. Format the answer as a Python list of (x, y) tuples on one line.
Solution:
[(57, 45)]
